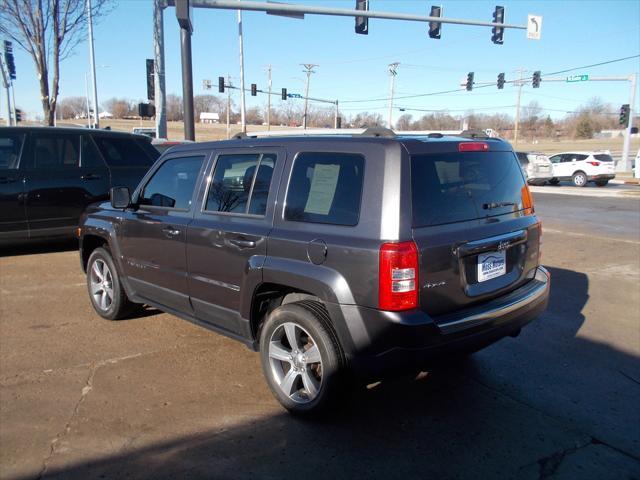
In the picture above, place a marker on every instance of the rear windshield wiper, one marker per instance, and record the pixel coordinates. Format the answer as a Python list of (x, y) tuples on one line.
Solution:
[(489, 206)]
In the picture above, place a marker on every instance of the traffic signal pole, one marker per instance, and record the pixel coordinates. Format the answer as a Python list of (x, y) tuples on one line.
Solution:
[(5, 84), (159, 80)]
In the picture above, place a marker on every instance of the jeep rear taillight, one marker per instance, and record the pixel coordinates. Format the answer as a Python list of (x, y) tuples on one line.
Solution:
[(595, 164), (527, 200), (398, 276)]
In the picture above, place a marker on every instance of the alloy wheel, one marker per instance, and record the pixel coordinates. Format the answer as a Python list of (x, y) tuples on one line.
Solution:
[(295, 362), (101, 281)]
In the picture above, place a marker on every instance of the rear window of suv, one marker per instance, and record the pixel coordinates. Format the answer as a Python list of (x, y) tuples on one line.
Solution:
[(454, 187), (325, 188)]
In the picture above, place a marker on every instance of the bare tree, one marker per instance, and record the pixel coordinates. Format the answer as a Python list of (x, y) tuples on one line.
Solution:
[(404, 122), (72, 107), (174, 108), (119, 107), (49, 30), (209, 103)]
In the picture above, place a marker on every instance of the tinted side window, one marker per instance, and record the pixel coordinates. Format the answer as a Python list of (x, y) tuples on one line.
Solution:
[(172, 184), (55, 152), (603, 157), (90, 156), (10, 146), (235, 187), (325, 188), (555, 158), (123, 152)]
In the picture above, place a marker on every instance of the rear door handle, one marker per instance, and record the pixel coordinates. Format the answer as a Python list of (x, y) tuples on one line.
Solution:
[(242, 243), (171, 231), (90, 176)]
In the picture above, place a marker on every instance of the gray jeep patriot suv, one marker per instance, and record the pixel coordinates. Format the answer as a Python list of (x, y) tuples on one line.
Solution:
[(362, 253)]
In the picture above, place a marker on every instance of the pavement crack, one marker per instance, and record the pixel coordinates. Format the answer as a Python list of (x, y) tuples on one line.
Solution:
[(629, 377), (549, 465), (86, 389)]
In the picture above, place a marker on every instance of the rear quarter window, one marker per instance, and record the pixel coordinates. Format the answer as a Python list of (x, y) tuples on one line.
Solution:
[(126, 152), (603, 157), (325, 188), (455, 187)]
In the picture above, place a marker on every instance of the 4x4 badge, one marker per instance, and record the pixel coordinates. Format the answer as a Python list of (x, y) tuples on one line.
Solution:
[(433, 285)]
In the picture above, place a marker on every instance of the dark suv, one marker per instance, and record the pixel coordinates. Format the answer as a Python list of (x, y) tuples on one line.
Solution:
[(48, 175), (365, 254)]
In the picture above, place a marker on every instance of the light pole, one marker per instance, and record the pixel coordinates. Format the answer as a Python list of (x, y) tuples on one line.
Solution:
[(92, 59)]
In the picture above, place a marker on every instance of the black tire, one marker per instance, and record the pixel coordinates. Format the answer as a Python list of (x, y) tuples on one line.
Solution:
[(580, 179), (602, 183), (119, 305), (554, 181), (313, 325)]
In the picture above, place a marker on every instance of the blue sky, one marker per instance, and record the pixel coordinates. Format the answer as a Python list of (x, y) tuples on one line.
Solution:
[(354, 67)]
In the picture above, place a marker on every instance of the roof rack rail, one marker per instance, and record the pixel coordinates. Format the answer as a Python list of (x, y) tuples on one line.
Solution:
[(378, 132), (474, 134)]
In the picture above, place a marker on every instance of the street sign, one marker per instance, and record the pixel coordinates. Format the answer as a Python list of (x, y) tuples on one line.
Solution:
[(534, 27), (294, 95), (577, 78)]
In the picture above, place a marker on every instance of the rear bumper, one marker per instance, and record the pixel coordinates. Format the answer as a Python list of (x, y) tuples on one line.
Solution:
[(603, 176), (387, 342)]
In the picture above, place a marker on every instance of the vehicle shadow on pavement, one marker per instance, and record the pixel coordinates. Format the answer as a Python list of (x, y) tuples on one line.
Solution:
[(507, 412), (34, 247)]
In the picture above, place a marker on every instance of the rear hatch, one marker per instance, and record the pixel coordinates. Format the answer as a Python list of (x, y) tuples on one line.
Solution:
[(473, 225), (541, 164), (607, 165)]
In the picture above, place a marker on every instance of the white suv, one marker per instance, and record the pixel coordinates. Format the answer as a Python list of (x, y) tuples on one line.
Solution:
[(583, 167)]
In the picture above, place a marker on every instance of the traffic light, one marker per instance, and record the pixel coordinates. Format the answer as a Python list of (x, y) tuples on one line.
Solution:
[(469, 81), (221, 84), (8, 56), (150, 80), (435, 28), (536, 79), (497, 33), (284, 94), (362, 23), (18, 115), (146, 110), (500, 81), (624, 114), (254, 90)]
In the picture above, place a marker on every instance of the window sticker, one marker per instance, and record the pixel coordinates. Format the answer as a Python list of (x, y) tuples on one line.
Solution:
[(323, 189)]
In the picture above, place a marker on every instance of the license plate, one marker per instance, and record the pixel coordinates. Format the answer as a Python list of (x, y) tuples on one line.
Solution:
[(491, 265)]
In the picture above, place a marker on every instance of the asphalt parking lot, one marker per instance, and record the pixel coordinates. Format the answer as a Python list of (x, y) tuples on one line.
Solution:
[(156, 397)]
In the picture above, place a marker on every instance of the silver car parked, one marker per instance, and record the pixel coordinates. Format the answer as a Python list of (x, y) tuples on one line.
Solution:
[(536, 167)]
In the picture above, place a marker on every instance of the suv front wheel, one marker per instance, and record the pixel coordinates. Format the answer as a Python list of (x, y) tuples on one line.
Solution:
[(107, 296), (301, 357)]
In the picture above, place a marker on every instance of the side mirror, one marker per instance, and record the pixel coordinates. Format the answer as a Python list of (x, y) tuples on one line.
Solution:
[(120, 197)]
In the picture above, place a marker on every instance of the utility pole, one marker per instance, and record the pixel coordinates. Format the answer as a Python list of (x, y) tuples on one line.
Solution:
[(308, 69), (335, 117), (242, 104), (269, 100), (519, 84), (159, 79), (96, 120), (228, 106), (626, 163), (393, 72)]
